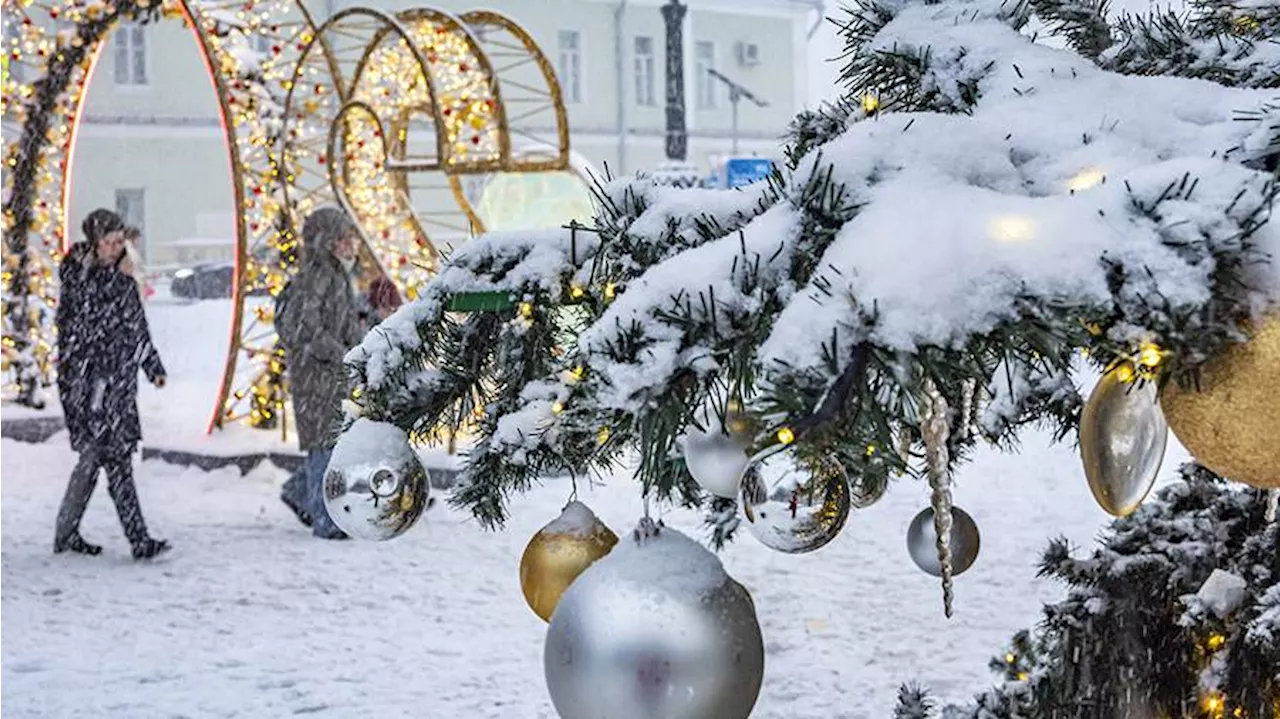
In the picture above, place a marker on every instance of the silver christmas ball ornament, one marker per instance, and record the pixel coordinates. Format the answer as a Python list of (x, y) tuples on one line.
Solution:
[(794, 508), (375, 486), (866, 489), (922, 541), (716, 457), (655, 630)]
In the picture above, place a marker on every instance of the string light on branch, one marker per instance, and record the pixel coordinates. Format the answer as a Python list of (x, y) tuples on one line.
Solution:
[(1214, 705), (1011, 229), (1124, 372), (1085, 179), (1150, 355)]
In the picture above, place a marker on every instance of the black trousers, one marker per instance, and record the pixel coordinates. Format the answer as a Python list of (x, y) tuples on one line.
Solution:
[(119, 469)]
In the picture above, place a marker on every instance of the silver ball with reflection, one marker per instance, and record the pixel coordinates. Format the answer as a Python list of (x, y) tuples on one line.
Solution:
[(375, 486), (655, 630), (792, 508), (922, 542), (715, 458)]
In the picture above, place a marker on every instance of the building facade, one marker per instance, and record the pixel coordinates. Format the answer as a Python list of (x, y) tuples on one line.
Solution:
[(150, 144)]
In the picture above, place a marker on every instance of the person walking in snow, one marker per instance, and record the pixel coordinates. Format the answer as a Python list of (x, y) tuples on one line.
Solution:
[(103, 341), (317, 320)]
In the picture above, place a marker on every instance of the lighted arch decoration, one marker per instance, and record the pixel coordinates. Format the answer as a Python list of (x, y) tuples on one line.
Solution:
[(33, 196), (383, 113), (246, 46)]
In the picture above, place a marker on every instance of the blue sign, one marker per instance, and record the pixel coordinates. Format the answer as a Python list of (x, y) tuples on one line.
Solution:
[(741, 171)]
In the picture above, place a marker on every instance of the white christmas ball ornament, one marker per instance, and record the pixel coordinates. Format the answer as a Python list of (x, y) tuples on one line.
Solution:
[(655, 630), (716, 459), (375, 486)]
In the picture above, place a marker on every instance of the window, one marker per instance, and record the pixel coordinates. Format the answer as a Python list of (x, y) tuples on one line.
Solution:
[(131, 205), (131, 55), (704, 56), (644, 71), (570, 67), (262, 42)]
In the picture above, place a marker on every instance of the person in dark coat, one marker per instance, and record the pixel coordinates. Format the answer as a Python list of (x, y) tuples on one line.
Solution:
[(103, 341), (317, 320)]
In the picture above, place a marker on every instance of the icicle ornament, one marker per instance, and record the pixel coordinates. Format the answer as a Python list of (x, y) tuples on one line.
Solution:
[(936, 432), (966, 408)]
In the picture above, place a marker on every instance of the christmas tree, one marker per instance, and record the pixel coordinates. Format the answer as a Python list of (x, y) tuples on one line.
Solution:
[(978, 210), (1176, 614), (924, 273)]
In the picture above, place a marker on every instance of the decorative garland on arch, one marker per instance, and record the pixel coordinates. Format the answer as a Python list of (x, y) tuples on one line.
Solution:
[(25, 165)]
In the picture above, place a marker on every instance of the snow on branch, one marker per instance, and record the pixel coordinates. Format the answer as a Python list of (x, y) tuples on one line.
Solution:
[(975, 242)]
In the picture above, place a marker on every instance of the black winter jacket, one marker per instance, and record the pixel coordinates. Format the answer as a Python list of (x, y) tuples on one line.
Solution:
[(103, 340)]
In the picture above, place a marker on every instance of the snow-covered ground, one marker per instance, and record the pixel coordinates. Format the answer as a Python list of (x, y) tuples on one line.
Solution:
[(250, 617)]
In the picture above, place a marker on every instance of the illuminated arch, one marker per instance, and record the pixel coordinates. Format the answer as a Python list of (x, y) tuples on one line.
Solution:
[(382, 114), (442, 109), (474, 127), (229, 35), (528, 80), (34, 206)]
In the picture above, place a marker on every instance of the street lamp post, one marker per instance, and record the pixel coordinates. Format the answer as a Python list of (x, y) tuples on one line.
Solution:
[(736, 93), (677, 134)]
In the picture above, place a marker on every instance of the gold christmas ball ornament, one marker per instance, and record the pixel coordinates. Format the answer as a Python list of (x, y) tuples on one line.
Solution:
[(1232, 424), (558, 553)]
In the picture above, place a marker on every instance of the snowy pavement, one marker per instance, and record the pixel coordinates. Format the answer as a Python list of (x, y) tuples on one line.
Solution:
[(251, 617)]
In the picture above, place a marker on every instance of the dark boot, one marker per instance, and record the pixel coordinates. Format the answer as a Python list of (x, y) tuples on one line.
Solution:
[(149, 548), (75, 543)]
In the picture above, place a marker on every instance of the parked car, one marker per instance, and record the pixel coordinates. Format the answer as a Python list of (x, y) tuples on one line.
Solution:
[(206, 281)]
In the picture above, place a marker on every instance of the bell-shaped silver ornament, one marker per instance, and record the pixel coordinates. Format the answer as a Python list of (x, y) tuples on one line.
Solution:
[(1123, 435)]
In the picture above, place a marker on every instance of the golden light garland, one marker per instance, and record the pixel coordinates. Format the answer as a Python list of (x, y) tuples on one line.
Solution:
[(25, 53), (243, 44), (421, 101), (426, 104)]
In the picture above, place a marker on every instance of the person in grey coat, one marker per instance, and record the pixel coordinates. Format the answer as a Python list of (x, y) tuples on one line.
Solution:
[(317, 320)]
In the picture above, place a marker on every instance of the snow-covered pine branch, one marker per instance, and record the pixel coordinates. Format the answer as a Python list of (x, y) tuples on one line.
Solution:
[(1055, 206)]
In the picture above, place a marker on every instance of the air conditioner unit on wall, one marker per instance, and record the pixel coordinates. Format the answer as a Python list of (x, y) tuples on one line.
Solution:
[(748, 54)]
